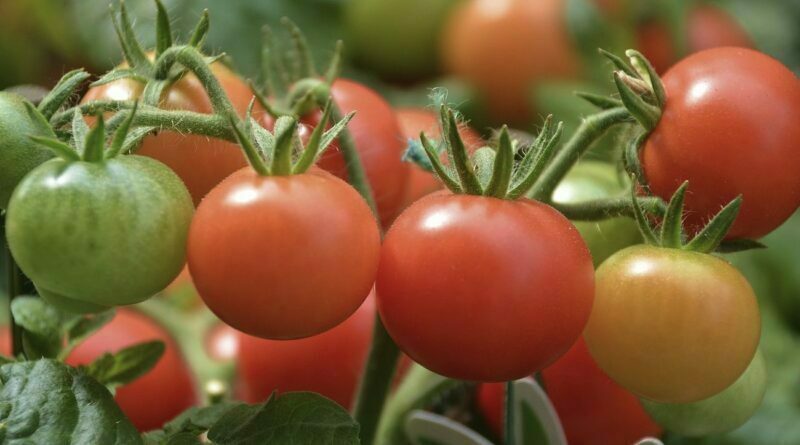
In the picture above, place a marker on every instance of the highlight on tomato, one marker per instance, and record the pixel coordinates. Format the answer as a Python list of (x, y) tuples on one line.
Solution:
[(283, 250), (478, 283)]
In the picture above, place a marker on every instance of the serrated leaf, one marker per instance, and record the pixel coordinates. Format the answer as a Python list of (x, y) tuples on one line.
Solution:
[(292, 418), (47, 402), (425, 428), (127, 364), (41, 324)]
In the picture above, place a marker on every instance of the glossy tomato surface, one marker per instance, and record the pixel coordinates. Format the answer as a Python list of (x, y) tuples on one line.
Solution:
[(378, 141), (413, 121), (670, 325), (505, 47), (484, 289), (160, 394), (200, 161), (285, 256), (730, 127), (329, 363), (592, 408)]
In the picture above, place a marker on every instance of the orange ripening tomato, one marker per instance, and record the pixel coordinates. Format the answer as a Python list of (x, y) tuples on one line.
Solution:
[(200, 161), (505, 47), (159, 395)]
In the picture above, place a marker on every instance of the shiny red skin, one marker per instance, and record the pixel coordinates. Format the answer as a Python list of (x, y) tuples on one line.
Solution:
[(731, 126), (592, 408), (378, 141), (484, 289), (707, 27), (329, 363), (156, 397), (283, 257)]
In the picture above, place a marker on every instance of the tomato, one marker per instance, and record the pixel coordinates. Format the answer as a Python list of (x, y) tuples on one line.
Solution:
[(18, 153), (729, 127), (592, 408), (672, 325), (412, 122), (159, 395), (222, 343), (719, 413), (329, 363), (396, 38), (707, 27), (596, 180), (283, 256), (98, 234), (201, 162), (505, 48), (483, 289), (378, 141)]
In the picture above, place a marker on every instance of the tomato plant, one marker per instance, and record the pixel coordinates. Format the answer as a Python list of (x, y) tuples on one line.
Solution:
[(170, 382), (482, 36), (592, 408), (719, 413), (200, 162), (729, 126), (707, 27)]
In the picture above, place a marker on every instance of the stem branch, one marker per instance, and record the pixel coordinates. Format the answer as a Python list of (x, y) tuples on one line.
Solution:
[(600, 209)]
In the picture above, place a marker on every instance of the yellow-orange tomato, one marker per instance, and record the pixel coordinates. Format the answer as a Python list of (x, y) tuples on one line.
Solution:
[(671, 325), (201, 162), (505, 47)]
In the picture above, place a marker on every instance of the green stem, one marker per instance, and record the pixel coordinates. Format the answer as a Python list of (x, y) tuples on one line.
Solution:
[(356, 175), (15, 278), (601, 209), (590, 130), (508, 419)]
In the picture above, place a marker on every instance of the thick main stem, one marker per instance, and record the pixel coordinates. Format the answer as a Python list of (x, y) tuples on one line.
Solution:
[(589, 131)]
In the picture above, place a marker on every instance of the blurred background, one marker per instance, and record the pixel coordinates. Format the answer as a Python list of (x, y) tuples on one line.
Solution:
[(499, 61)]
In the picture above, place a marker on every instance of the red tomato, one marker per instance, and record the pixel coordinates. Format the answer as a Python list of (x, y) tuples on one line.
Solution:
[(592, 408), (156, 397), (378, 141), (329, 363), (201, 162), (707, 27), (484, 289), (412, 122), (283, 256), (222, 343), (730, 126), (505, 48)]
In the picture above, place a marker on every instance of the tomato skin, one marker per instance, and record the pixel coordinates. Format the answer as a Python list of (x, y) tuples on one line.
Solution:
[(18, 153), (329, 363), (397, 38), (483, 289), (200, 161), (707, 27), (482, 36), (592, 408), (590, 180), (283, 257), (159, 395), (103, 234), (377, 139), (412, 122), (652, 305), (719, 413), (730, 127)]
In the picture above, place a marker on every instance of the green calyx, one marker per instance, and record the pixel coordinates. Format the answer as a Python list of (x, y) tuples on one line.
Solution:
[(640, 89), (281, 152), (671, 233), (506, 171), (89, 145)]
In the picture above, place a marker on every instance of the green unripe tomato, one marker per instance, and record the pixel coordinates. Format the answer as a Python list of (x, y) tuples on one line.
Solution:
[(95, 234), (720, 413), (397, 38), (18, 153), (596, 180)]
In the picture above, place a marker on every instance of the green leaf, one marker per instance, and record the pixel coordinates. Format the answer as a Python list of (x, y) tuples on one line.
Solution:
[(42, 326), (47, 402), (126, 365), (200, 31), (739, 245), (292, 418), (65, 88), (163, 31), (79, 328), (118, 74)]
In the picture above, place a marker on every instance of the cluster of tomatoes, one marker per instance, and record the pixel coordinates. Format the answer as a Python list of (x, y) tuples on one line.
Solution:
[(476, 283)]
